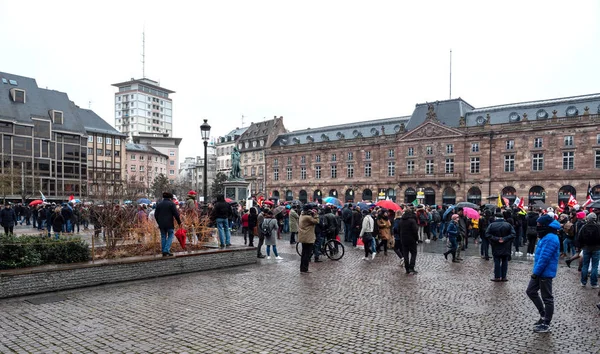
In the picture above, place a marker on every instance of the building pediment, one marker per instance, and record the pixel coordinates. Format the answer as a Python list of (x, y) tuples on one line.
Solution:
[(431, 130)]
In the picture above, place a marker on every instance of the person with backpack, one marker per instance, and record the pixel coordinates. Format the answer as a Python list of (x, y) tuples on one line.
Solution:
[(569, 240), (421, 223), (270, 229), (589, 242)]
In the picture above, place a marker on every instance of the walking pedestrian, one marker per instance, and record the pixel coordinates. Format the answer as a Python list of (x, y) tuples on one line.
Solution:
[(306, 236), (245, 226), (164, 214), (385, 232), (452, 231), (409, 235), (500, 234), (545, 265), (589, 242), (270, 228), (347, 219), (366, 233), (397, 240), (9, 219)]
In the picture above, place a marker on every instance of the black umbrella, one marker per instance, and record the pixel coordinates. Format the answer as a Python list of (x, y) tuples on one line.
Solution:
[(468, 205), (595, 205), (540, 204)]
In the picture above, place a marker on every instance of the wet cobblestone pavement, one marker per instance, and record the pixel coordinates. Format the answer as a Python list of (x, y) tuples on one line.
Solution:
[(350, 306)]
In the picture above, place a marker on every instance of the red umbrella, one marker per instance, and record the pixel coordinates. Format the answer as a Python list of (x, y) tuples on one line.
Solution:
[(388, 204), (229, 200), (471, 213), (181, 237), (36, 202), (268, 202)]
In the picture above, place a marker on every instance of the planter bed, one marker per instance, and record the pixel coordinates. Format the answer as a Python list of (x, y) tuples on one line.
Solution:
[(25, 281)]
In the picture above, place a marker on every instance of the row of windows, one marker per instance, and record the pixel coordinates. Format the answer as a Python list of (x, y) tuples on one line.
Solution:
[(143, 157), (106, 140), (537, 161), (133, 97), (254, 144), (101, 152), (143, 169)]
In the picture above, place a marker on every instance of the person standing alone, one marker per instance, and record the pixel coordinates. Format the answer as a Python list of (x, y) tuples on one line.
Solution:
[(164, 214), (500, 234), (545, 265), (221, 213), (306, 236)]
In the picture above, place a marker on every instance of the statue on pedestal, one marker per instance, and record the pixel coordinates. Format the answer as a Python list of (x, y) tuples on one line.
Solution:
[(236, 171)]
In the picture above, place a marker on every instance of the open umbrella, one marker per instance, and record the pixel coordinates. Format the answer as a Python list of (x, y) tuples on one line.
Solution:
[(467, 205), (448, 211), (471, 213), (540, 204), (332, 200), (278, 210), (268, 202), (363, 206), (388, 204), (36, 202), (595, 205), (144, 201)]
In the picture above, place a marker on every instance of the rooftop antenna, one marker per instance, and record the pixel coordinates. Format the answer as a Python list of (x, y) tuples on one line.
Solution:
[(242, 120), (144, 53), (89, 104), (450, 73)]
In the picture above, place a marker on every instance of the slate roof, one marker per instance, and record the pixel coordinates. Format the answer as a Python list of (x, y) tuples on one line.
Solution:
[(448, 112), (38, 103), (143, 149), (93, 123), (232, 134), (259, 130), (542, 109), (342, 131)]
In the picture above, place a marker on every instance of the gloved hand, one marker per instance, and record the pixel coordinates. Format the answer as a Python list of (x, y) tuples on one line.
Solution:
[(533, 276)]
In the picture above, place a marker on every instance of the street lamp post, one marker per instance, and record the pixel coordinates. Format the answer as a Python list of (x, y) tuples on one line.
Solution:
[(205, 131)]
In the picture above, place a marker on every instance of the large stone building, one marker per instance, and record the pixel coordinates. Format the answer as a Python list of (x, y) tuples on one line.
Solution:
[(447, 152), (224, 146), (166, 145), (252, 145), (44, 143)]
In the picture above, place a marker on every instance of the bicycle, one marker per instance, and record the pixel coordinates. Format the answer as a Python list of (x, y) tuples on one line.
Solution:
[(333, 249)]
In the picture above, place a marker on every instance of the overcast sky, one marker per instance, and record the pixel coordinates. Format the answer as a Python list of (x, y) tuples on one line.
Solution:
[(315, 63)]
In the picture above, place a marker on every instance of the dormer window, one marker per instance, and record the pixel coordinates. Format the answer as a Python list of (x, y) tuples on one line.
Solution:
[(56, 116), (18, 95)]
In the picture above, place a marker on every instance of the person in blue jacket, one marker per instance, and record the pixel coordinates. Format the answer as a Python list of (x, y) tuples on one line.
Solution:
[(545, 266)]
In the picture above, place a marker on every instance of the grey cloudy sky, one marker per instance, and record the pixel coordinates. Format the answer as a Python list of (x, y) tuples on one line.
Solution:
[(314, 62)]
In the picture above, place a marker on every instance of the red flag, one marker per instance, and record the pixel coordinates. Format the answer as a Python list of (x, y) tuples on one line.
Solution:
[(562, 205), (587, 202), (572, 201), (71, 197), (521, 203), (506, 202)]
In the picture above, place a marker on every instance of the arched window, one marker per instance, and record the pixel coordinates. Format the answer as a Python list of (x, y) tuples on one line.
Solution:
[(349, 196), (289, 196), (367, 194), (536, 194), (275, 194), (449, 196), (333, 193), (565, 192), (596, 192), (509, 193), (474, 195), (303, 197), (391, 194), (429, 196), (317, 196), (410, 194)]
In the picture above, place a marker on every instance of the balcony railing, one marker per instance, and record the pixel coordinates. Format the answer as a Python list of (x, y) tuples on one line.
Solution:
[(429, 177)]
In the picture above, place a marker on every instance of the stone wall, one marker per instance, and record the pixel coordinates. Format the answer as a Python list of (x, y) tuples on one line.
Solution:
[(54, 278)]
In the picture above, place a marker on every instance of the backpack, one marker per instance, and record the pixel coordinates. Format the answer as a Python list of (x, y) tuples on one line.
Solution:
[(265, 228), (423, 218), (331, 225), (436, 216)]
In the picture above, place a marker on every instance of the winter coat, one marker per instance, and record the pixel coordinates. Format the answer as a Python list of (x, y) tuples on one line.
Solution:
[(252, 221), (547, 253), (8, 217), (245, 220), (347, 215), (384, 229), (452, 229), (531, 221), (57, 222), (500, 229), (221, 210), (66, 213), (164, 214), (306, 228), (463, 226), (273, 226), (589, 236), (356, 219), (367, 225), (422, 217), (396, 228), (294, 219), (409, 232)]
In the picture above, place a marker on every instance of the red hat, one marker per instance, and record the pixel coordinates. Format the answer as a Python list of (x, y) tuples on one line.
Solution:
[(191, 192), (580, 215)]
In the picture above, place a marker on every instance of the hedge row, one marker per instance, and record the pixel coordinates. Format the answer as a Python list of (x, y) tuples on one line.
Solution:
[(31, 251)]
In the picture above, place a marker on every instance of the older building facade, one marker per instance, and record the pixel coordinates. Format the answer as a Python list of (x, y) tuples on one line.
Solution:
[(252, 145), (224, 147), (447, 152), (144, 164)]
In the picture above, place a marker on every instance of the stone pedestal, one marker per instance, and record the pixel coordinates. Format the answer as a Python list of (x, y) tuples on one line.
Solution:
[(236, 189)]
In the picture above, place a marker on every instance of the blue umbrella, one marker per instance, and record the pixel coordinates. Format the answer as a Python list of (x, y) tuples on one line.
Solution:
[(144, 201), (450, 208), (332, 200), (363, 206)]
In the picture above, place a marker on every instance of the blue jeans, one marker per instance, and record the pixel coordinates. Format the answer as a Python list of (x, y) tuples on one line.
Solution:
[(442, 230), (224, 234), (485, 247), (374, 245), (274, 251), (67, 226), (317, 247), (568, 245), (588, 256), (500, 266), (286, 225), (453, 244), (347, 232), (166, 238), (434, 227)]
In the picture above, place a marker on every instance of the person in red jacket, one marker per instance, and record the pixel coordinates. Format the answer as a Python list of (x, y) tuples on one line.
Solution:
[(245, 226)]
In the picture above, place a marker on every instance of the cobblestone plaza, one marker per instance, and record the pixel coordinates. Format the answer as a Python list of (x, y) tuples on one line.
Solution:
[(350, 306)]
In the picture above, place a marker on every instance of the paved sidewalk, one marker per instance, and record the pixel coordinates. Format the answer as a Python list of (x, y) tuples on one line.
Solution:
[(350, 306)]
